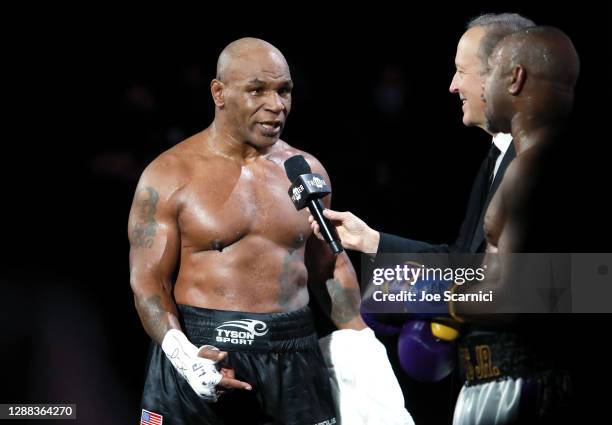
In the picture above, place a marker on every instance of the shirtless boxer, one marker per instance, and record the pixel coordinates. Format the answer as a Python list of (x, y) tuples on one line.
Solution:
[(529, 91), (220, 257)]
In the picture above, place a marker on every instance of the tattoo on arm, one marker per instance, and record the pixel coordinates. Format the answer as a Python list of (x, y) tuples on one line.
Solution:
[(345, 301), (157, 320), (144, 230)]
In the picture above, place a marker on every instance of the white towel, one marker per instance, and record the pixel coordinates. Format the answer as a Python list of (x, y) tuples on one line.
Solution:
[(365, 389)]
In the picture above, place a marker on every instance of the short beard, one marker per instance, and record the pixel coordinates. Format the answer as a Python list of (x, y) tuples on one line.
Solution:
[(489, 125)]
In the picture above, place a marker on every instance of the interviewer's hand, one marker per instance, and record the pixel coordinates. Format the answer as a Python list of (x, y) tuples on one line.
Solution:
[(354, 233)]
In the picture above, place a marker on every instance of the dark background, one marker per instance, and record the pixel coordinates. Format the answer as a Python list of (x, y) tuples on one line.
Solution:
[(92, 96)]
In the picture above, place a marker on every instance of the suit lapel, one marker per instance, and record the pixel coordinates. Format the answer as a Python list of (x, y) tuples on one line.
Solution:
[(476, 199), (478, 238)]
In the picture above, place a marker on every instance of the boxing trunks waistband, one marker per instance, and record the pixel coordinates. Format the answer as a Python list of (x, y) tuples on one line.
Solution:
[(254, 332), (490, 356)]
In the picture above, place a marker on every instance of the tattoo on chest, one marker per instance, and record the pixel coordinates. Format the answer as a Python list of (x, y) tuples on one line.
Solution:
[(143, 233), (345, 301), (292, 263)]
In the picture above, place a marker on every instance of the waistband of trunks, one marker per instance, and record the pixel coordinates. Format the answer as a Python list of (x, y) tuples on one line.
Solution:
[(241, 331), (490, 356)]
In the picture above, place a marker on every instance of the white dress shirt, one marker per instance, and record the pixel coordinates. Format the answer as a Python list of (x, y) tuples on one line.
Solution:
[(502, 142)]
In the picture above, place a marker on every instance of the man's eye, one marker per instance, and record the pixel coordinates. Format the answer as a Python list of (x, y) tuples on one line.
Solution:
[(284, 91), (256, 91)]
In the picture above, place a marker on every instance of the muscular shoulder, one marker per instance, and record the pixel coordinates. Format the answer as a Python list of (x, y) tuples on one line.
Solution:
[(519, 179), (167, 174), (166, 171), (286, 151)]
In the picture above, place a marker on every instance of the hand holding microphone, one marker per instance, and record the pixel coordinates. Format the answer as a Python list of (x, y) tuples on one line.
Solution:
[(354, 233)]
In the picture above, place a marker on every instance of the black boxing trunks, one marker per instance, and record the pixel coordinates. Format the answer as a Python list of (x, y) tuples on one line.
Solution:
[(277, 353)]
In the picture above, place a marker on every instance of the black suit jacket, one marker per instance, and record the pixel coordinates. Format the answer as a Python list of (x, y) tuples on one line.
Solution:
[(471, 234)]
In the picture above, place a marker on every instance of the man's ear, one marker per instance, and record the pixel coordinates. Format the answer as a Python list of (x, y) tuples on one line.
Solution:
[(217, 89), (517, 80)]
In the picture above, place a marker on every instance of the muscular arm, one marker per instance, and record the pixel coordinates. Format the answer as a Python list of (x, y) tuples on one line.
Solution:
[(334, 283), (154, 252), (517, 194), (333, 273)]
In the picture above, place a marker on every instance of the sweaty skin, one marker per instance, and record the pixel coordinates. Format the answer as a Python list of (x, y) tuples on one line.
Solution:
[(529, 91), (211, 223)]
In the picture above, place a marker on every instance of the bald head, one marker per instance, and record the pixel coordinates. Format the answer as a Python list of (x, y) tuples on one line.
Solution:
[(532, 74), (545, 52), (252, 92), (243, 51)]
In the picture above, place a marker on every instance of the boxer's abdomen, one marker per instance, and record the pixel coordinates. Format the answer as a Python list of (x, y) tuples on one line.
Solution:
[(253, 274)]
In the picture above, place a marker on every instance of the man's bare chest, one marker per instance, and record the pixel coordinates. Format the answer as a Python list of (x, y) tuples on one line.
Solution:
[(221, 210)]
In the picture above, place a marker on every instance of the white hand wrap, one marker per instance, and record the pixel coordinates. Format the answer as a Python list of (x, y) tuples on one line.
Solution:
[(201, 374)]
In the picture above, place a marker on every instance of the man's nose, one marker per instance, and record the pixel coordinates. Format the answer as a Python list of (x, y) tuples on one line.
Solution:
[(274, 102), (454, 84)]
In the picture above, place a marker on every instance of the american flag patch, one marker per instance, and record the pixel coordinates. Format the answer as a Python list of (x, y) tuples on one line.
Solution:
[(150, 418)]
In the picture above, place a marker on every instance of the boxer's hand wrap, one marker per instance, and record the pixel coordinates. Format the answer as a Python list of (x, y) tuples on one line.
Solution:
[(201, 374)]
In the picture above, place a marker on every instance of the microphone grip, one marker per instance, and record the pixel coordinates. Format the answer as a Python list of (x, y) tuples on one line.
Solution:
[(327, 229)]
